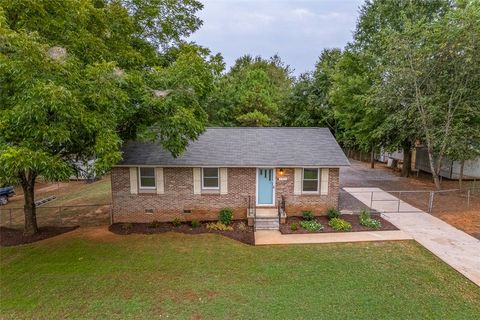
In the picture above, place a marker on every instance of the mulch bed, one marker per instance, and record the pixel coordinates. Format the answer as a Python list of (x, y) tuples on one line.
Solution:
[(14, 237), (323, 220), (245, 236)]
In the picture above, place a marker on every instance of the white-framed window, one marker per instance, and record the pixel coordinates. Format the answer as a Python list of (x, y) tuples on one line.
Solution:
[(146, 177), (310, 180), (210, 178)]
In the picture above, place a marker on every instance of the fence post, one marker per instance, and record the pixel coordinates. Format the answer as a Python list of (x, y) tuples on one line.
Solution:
[(468, 198), (371, 199), (111, 214), (399, 201), (10, 213), (430, 202)]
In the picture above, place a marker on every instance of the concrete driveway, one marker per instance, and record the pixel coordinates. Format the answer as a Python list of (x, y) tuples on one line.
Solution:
[(359, 174), (452, 207)]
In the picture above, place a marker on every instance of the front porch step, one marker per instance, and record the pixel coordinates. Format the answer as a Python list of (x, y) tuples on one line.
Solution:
[(266, 212), (267, 223)]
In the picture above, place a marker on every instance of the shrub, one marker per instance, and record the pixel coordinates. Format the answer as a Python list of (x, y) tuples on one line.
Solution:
[(177, 222), (364, 214), (311, 225), (307, 215), (340, 224), (218, 226), (154, 224), (371, 223), (126, 227), (195, 224), (225, 216), (294, 226), (242, 226), (367, 221), (333, 213)]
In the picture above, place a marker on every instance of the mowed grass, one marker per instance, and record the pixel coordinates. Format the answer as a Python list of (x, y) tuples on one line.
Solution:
[(98, 192), (95, 274)]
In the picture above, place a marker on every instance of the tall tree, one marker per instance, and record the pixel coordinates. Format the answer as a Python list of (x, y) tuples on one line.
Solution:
[(465, 142), (398, 129), (251, 93), (163, 23), (77, 79), (309, 103), (356, 112), (435, 69)]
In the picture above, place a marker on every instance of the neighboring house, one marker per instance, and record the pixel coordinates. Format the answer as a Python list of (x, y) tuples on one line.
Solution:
[(247, 169), (450, 169), (395, 159), (420, 162), (384, 156)]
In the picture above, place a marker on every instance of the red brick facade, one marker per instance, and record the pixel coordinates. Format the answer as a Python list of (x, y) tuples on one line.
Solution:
[(179, 200), (319, 204)]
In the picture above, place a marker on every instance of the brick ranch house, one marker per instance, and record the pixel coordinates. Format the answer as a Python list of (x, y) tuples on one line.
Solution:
[(254, 171)]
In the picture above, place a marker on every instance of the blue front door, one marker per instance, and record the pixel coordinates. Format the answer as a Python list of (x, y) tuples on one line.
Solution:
[(265, 180)]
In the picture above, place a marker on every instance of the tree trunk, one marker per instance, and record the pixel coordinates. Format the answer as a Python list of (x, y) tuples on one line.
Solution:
[(460, 180), (407, 159), (28, 185), (431, 162), (372, 158)]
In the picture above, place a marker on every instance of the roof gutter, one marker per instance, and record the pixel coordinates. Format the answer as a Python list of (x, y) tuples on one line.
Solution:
[(231, 166)]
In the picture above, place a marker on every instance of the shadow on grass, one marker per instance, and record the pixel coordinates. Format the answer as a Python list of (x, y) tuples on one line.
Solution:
[(14, 237)]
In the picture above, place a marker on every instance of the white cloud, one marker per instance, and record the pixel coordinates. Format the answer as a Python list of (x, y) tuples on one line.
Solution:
[(302, 13), (261, 18), (296, 30)]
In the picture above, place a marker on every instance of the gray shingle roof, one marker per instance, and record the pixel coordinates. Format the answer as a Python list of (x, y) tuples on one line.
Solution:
[(245, 147)]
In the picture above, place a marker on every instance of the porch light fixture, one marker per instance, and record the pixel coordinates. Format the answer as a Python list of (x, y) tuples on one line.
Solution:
[(281, 172)]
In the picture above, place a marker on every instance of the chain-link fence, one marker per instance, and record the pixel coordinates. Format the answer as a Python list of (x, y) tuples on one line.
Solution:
[(431, 201), (76, 215), (455, 200), (443, 201)]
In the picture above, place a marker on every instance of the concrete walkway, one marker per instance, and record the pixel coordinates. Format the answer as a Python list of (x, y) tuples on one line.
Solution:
[(263, 237), (458, 249)]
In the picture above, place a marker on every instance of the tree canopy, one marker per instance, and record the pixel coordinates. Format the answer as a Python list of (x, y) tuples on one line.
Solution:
[(78, 78), (432, 68), (309, 103), (252, 93), (410, 75)]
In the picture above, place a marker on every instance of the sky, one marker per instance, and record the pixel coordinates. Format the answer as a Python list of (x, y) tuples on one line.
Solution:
[(295, 30)]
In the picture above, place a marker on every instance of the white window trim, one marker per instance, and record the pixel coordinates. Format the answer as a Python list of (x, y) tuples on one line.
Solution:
[(140, 179), (218, 180), (318, 181)]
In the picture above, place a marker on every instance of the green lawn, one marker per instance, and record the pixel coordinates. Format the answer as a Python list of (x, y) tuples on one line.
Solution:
[(100, 275), (98, 192)]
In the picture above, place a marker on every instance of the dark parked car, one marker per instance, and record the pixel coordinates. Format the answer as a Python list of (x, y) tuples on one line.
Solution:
[(5, 193)]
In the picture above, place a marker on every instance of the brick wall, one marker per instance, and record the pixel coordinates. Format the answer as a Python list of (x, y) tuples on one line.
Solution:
[(316, 203), (178, 196)]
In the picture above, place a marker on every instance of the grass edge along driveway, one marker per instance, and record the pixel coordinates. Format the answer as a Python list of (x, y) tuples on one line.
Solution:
[(91, 273)]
